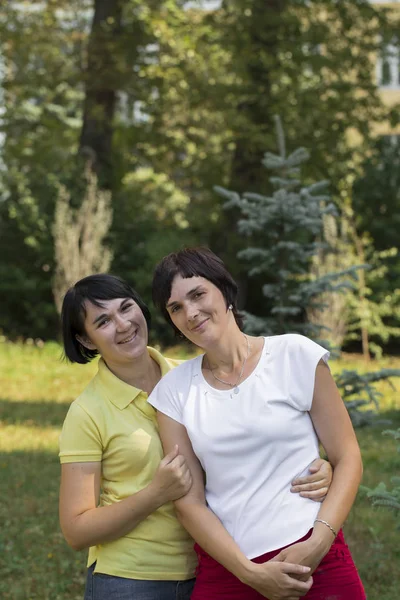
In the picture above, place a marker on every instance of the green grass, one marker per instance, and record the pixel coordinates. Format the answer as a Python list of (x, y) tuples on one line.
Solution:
[(36, 389)]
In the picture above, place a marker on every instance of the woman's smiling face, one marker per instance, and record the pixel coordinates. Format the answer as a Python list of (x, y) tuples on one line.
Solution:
[(198, 309), (117, 330)]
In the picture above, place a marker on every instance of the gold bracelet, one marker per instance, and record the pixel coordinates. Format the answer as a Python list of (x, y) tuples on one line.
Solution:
[(327, 524)]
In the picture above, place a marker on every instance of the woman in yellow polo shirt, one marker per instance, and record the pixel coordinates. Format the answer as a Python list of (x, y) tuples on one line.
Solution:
[(116, 487)]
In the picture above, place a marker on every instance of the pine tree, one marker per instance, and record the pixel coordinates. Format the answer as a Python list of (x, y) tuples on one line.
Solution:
[(285, 229), (374, 314), (366, 313), (334, 312), (381, 496)]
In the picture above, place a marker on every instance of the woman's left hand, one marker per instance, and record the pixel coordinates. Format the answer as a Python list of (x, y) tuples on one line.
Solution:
[(315, 485), (308, 553)]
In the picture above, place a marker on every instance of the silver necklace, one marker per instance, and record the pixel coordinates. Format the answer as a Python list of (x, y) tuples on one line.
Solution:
[(233, 385)]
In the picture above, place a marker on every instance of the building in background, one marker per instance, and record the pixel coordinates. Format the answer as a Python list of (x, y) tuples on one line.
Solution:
[(387, 68)]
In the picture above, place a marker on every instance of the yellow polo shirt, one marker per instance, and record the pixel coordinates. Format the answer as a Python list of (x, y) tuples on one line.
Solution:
[(112, 422)]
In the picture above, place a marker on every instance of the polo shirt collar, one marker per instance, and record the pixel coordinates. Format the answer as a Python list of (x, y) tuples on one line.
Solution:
[(120, 393), (160, 360)]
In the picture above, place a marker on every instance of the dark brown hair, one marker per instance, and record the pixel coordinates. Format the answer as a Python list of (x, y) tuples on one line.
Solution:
[(95, 289), (193, 262)]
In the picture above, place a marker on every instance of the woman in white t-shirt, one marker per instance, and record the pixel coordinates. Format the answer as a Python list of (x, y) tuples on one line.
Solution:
[(248, 415)]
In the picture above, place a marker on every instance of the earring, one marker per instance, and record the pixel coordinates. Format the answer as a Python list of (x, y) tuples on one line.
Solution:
[(230, 307)]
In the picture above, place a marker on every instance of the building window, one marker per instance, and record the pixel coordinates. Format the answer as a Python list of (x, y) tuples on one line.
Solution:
[(388, 65)]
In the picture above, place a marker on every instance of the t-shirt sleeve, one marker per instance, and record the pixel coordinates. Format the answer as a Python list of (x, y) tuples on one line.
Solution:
[(167, 398), (80, 439), (304, 357)]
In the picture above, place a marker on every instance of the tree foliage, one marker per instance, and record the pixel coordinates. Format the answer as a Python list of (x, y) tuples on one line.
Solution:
[(381, 495), (167, 99), (283, 233)]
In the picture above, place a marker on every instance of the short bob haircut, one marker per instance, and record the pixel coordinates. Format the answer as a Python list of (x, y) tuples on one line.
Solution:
[(194, 262), (95, 289)]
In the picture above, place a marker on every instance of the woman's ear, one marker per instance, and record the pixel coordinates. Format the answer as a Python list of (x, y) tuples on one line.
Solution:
[(82, 339)]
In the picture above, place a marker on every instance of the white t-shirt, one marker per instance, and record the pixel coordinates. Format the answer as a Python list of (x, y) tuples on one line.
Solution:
[(252, 444)]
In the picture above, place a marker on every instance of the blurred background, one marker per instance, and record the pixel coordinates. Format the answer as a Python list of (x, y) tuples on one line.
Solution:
[(132, 128), (161, 101)]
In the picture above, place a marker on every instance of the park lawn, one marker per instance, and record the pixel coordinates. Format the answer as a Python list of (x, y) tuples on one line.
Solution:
[(35, 562)]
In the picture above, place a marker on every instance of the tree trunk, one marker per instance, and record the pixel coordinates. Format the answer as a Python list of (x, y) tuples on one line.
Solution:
[(256, 43), (102, 78), (362, 300), (256, 133)]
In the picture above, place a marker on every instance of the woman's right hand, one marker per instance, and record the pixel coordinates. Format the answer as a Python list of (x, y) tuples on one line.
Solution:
[(173, 478), (275, 581)]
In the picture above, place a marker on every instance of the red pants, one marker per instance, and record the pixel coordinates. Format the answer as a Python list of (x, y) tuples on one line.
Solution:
[(336, 578)]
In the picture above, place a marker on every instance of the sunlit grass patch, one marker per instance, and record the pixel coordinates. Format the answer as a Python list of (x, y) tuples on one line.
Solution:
[(389, 389), (30, 373), (22, 437)]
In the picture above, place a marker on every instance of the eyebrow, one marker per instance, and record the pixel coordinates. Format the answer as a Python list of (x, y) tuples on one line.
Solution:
[(190, 293), (103, 315)]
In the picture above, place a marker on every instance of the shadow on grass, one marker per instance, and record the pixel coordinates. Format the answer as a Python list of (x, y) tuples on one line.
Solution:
[(32, 473), (35, 561), (40, 413)]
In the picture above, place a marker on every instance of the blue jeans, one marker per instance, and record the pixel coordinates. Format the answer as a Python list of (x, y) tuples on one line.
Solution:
[(109, 587)]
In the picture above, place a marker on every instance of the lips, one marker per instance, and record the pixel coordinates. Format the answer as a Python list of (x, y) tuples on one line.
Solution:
[(128, 339), (199, 326)]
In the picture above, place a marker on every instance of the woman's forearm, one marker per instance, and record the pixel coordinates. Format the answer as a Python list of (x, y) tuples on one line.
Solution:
[(107, 523), (340, 498), (207, 530), (270, 579), (334, 429), (84, 523), (334, 510)]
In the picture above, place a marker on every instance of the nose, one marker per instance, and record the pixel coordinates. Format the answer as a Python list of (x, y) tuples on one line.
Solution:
[(192, 312), (122, 323)]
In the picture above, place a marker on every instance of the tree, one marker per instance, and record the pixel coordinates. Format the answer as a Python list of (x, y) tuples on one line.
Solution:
[(102, 81), (58, 70), (373, 316), (311, 63), (381, 496), (168, 97), (283, 231), (376, 195), (79, 236), (41, 46), (369, 312), (334, 254), (376, 203)]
